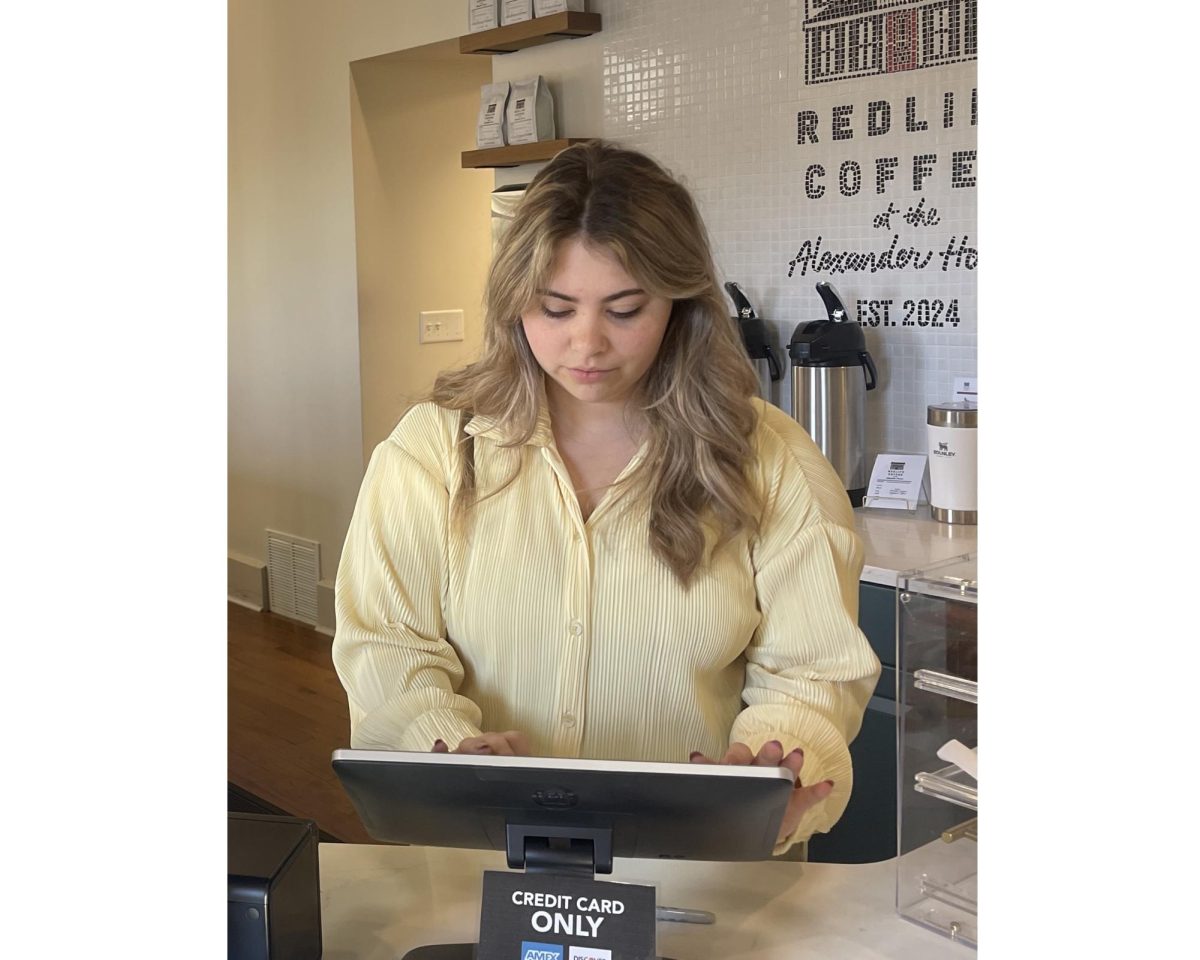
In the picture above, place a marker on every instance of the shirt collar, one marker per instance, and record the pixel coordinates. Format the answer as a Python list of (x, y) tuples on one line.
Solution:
[(482, 425)]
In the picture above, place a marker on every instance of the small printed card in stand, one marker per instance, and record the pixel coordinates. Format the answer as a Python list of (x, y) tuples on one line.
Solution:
[(547, 916), (897, 482)]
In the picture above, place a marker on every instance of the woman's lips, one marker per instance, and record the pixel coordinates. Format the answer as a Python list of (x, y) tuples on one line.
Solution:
[(588, 375)]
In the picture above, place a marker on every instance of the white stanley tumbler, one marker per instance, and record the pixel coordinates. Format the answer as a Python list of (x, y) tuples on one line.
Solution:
[(953, 490)]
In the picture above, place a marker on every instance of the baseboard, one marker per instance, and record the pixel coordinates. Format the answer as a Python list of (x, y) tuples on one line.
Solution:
[(325, 615), (256, 607), (247, 579), (248, 588)]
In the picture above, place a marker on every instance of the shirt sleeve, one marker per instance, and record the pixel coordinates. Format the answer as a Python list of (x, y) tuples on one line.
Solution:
[(390, 648), (809, 669)]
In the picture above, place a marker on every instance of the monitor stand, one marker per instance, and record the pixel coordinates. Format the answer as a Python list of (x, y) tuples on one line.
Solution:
[(563, 851)]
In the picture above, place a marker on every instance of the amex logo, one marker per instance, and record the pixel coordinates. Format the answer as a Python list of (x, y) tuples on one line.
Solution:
[(540, 951)]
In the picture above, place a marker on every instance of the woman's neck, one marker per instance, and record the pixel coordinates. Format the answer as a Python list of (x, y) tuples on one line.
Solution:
[(575, 421)]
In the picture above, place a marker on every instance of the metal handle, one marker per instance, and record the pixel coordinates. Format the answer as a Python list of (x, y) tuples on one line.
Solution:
[(968, 829), (947, 685)]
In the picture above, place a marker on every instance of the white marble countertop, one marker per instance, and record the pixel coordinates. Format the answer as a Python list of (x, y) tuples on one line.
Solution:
[(378, 901), (896, 541)]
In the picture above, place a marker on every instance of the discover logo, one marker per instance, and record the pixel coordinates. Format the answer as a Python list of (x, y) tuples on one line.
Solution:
[(589, 953)]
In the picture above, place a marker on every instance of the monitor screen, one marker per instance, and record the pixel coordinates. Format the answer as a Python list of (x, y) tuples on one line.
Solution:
[(672, 810)]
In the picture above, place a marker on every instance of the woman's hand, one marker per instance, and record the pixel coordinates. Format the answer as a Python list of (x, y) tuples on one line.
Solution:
[(510, 743), (771, 755)]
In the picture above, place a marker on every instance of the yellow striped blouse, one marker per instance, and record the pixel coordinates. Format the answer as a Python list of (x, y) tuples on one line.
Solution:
[(574, 632)]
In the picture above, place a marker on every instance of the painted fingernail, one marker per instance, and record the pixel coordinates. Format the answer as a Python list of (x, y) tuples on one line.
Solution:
[(694, 754), (796, 753), (439, 744), (776, 744)]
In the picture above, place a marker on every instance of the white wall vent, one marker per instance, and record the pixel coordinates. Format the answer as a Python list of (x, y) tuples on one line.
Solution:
[(293, 569)]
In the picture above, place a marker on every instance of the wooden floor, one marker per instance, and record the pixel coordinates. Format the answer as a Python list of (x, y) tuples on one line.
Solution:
[(287, 714)]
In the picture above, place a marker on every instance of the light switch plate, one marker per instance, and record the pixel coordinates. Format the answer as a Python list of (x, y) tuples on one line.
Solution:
[(437, 326), (966, 388)]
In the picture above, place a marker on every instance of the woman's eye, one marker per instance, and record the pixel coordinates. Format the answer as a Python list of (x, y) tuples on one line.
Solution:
[(555, 314), (624, 314)]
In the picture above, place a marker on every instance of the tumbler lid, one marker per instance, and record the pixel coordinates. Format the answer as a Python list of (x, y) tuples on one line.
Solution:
[(956, 414)]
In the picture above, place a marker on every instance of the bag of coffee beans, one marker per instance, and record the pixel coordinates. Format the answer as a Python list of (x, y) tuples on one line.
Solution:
[(490, 130), (530, 112)]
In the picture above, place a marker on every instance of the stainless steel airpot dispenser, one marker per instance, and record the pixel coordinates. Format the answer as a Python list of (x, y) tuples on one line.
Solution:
[(757, 338), (831, 374)]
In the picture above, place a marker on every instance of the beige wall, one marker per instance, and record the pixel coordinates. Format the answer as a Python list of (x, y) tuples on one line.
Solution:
[(422, 222), (295, 429)]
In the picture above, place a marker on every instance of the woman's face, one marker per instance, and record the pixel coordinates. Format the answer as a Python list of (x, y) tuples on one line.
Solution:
[(593, 330)]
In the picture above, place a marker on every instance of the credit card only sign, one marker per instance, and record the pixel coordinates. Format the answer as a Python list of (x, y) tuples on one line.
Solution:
[(543, 916)]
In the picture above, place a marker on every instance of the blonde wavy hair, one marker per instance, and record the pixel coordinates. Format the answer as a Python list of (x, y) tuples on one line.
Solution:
[(695, 398)]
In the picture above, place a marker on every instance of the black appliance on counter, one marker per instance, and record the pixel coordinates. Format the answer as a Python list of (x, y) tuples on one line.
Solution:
[(757, 338), (274, 888), (831, 374)]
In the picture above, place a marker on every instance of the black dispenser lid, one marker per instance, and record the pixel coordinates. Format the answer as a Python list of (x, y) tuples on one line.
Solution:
[(755, 335), (835, 342)]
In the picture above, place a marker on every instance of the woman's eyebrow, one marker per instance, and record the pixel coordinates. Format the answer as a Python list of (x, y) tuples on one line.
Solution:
[(612, 296)]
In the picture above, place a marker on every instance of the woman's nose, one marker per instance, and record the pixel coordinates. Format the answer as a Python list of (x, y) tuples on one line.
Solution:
[(588, 334)]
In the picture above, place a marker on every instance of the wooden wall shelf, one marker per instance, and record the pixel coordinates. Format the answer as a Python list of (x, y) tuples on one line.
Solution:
[(530, 33), (518, 153)]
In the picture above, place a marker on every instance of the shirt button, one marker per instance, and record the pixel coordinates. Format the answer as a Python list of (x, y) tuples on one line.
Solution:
[(568, 719), (576, 628)]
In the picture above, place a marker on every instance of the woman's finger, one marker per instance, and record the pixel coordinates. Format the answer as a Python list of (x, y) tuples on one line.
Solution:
[(498, 744), (738, 754), (518, 743), (794, 761), (473, 745), (801, 801), (769, 754), (510, 743)]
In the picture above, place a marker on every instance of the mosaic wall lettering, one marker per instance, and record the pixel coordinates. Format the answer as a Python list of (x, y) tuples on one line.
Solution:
[(861, 38), (888, 177)]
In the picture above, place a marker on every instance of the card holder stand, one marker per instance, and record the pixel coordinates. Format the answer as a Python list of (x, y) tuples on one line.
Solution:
[(905, 506)]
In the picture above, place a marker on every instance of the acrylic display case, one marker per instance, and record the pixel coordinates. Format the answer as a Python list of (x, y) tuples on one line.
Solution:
[(937, 824)]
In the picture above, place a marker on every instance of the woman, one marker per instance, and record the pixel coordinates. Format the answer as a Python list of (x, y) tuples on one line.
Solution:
[(596, 541)]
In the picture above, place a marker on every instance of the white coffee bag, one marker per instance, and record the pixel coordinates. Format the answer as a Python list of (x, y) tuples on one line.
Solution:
[(543, 8), (514, 11), (491, 131), (530, 112)]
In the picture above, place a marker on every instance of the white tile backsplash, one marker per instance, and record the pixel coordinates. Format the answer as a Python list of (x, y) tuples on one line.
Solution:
[(714, 89)]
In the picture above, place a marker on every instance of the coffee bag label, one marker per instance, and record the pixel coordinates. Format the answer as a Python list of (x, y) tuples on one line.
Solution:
[(543, 8), (514, 11), (482, 15)]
